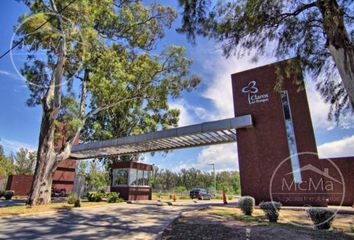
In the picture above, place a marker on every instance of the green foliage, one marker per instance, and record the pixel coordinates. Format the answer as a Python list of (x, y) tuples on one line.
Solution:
[(25, 162), (8, 195), (77, 203), (230, 197), (247, 204), (112, 197), (186, 179), (97, 177), (181, 189), (73, 198), (95, 196), (6, 164), (322, 218), (271, 209), (111, 45), (296, 28)]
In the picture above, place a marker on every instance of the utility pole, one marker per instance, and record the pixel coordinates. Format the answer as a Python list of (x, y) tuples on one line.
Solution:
[(214, 175)]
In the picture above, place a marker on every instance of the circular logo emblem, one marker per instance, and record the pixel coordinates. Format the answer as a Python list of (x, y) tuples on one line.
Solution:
[(311, 185)]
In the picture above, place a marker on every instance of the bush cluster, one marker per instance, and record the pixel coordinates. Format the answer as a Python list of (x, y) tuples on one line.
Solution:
[(321, 217), (72, 198), (112, 197), (271, 210), (95, 196), (7, 194), (247, 204)]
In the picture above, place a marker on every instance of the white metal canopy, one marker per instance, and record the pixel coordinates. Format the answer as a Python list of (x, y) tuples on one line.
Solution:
[(208, 133)]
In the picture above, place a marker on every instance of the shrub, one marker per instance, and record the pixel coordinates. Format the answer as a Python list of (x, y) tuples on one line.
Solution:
[(77, 203), (119, 200), (321, 217), (94, 196), (230, 197), (246, 204), (112, 197), (271, 210), (8, 194), (72, 198)]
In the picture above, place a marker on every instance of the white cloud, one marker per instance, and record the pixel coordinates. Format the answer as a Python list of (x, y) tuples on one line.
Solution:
[(186, 112), (319, 111), (5, 73), (339, 148), (224, 156), (219, 88), (14, 146)]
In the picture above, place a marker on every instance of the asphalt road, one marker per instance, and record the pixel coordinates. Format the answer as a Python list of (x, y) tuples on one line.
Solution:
[(117, 221)]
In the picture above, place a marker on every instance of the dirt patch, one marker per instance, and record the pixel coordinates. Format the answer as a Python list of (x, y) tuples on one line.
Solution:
[(205, 225)]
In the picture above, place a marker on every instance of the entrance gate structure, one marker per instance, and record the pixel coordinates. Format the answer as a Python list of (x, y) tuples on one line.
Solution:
[(277, 150)]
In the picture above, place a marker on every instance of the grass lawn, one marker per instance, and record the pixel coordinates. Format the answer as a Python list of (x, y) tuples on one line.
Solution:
[(16, 210), (231, 223), (342, 222)]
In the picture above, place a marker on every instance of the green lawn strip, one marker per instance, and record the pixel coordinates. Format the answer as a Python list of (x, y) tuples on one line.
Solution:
[(18, 210), (186, 228), (342, 223)]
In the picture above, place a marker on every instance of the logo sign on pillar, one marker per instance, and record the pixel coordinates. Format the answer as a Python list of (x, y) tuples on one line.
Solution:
[(253, 93)]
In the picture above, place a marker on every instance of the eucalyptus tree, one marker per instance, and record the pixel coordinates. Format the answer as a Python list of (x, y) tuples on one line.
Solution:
[(86, 57), (6, 164), (24, 161), (319, 32)]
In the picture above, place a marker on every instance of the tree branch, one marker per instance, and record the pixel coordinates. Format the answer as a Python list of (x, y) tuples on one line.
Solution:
[(66, 151), (299, 10)]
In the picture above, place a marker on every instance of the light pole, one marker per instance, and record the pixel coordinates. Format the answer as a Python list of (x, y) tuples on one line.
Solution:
[(214, 175)]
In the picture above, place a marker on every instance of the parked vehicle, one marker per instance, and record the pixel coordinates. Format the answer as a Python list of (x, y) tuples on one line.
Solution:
[(199, 193), (58, 192)]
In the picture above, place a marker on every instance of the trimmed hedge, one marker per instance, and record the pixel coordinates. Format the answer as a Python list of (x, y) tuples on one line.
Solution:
[(247, 204), (322, 218), (271, 210)]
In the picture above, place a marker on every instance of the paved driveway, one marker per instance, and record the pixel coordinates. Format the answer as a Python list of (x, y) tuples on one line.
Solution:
[(118, 221)]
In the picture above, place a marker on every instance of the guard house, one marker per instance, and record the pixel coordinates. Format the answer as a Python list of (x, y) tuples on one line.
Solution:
[(131, 180)]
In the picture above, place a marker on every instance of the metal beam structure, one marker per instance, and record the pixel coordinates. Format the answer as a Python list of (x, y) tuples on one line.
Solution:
[(208, 133)]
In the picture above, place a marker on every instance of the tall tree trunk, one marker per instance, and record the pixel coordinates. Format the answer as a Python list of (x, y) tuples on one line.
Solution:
[(339, 43), (46, 162), (47, 158)]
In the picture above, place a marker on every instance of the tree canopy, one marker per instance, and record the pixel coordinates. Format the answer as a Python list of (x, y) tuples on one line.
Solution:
[(93, 67), (186, 179), (319, 32), (25, 161), (6, 164)]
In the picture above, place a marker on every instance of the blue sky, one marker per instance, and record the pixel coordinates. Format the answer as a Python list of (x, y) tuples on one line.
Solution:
[(19, 124)]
